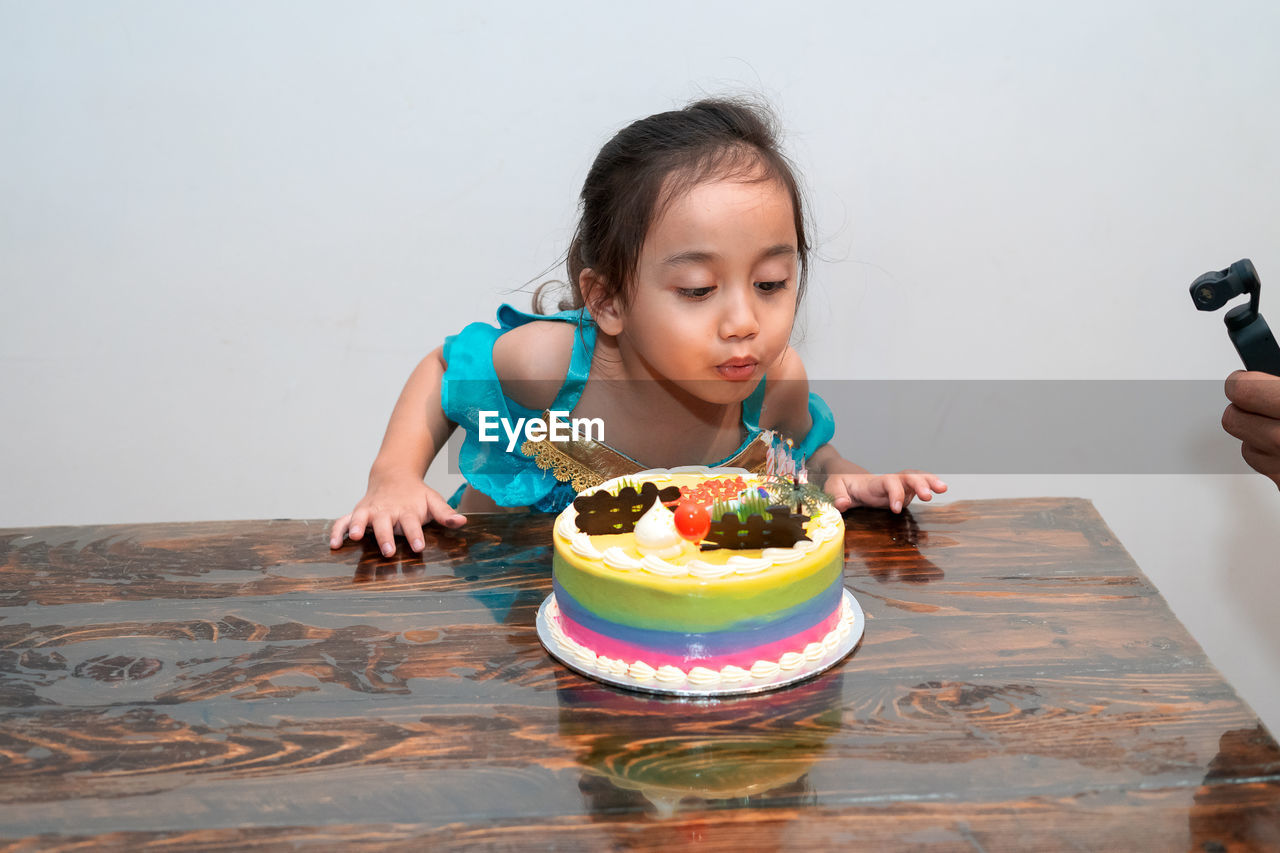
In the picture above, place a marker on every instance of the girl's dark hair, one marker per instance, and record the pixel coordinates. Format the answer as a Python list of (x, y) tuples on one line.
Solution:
[(655, 160)]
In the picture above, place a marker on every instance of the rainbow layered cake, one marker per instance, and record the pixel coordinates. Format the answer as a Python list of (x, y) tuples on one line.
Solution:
[(699, 579)]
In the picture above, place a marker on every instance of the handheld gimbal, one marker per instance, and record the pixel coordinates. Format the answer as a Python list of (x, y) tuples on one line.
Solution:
[(1246, 328)]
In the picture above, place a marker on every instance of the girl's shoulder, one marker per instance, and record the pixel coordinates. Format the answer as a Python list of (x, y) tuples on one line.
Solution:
[(786, 396), (532, 360)]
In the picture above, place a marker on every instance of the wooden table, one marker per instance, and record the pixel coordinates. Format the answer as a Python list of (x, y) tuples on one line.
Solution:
[(1021, 685)]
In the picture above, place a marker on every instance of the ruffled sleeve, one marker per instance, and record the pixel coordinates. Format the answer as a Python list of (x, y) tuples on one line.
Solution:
[(471, 391), (471, 396)]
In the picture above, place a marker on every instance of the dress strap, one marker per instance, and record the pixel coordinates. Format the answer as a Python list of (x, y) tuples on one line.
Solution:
[(584, 345), (823, 428), (752, 457), (752, 405)]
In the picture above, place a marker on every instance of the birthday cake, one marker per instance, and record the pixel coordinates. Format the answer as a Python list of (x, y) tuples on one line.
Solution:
[(696, 579)]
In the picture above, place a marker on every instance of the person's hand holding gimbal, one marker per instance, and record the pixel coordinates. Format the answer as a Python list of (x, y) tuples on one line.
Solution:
[(1254, 418), (1254, 413)]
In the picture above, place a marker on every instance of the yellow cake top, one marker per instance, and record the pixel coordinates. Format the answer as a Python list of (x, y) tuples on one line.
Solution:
[(620, 551)]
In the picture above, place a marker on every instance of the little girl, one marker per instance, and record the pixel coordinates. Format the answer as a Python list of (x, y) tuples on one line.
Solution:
[(686, 269)]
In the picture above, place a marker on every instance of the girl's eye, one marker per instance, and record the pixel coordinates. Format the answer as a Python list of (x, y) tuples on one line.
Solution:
[(771, 286), (695, 292)]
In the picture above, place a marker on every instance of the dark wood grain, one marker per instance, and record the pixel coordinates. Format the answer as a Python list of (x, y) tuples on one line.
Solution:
[(1021, 685)]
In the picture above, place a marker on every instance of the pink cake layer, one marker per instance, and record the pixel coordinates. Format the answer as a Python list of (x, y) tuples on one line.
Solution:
[(745, 658)]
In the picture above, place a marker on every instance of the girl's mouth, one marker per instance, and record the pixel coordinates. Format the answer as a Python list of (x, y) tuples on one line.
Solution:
[(737, 369)]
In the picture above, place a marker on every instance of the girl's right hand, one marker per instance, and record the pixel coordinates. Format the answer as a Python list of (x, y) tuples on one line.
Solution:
[(404, 506)]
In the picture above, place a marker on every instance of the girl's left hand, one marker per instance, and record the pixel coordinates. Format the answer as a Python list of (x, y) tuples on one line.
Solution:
[(894, 491)]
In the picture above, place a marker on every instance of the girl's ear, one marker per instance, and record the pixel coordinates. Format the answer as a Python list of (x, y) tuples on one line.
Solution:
[(604, 309)]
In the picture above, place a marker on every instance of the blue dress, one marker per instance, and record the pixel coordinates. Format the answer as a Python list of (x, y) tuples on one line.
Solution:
[(471, 386)]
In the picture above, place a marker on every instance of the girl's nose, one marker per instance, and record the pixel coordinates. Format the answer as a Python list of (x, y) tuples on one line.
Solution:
[(739, 319)]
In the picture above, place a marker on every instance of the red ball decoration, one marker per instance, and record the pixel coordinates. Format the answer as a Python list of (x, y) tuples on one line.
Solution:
[(693, 522)]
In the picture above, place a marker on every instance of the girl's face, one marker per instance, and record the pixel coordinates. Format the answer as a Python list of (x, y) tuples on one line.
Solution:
[(715, 292)]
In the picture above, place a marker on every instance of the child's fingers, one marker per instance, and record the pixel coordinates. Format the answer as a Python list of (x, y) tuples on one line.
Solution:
[(359, 521), (842, 498), (938, 485), (385, 534), (920, 485), (894, 492), (339, 531), (438, 508), (410, 525)]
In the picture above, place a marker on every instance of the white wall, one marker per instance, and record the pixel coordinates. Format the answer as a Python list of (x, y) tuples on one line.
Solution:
[(229, 230)]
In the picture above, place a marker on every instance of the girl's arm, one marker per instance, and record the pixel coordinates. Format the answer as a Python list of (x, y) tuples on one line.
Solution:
[(397, 500), (850, 484), (530, 362)]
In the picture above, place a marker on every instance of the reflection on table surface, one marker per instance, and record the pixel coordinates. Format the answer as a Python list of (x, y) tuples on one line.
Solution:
[(1020, 684), (695, 754)]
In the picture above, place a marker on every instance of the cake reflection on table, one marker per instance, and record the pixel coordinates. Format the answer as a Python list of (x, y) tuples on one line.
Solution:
[(680, 755)]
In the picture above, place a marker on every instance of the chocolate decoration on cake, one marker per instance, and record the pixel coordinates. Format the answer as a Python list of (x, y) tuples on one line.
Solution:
[(783, 529), (601, 513)]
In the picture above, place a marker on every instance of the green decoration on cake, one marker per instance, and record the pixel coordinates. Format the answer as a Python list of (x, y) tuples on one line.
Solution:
[(802, 496), (624, 483)]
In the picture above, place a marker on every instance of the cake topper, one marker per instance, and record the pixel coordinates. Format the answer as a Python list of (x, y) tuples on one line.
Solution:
[(656, 534), (709, 491), (787, 479), (783, 459), (692, 520)]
